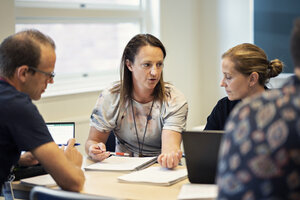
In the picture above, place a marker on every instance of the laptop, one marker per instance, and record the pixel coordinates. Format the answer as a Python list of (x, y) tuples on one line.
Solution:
[(61, 132), (201, 150)]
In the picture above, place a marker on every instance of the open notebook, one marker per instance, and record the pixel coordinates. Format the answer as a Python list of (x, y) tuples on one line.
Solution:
[(43, 180), (122, 163), (155, 175)]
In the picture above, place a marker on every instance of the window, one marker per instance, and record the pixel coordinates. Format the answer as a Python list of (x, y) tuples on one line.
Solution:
[(90, 37), (273, 22)]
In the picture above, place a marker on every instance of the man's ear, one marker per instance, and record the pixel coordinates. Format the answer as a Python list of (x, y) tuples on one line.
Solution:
[(128, 64), (21, 73), (253, 78)]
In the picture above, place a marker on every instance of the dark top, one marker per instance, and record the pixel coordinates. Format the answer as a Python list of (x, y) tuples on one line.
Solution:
[(218, 117), (259, 154), (22, 128)]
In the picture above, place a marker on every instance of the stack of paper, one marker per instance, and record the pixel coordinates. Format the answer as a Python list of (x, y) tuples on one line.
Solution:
[(198, 191), (155, 175), (43, 180), (122, 163)]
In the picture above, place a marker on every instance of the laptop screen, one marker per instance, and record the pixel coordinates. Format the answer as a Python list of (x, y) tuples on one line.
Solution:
[(61, 132), (201, 150)]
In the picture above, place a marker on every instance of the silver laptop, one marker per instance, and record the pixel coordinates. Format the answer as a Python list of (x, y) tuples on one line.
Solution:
[(61, 132), (201, 150)]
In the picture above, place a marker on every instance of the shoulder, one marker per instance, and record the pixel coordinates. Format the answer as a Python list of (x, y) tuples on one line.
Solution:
[(107, 105), (174, 94), (17, 104), (108, 95), (175, 101)]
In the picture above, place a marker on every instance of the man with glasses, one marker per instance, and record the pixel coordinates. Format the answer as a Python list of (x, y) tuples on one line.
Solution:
[(27, 62)]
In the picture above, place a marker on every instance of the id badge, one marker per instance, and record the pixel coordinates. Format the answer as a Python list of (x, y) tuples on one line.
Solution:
[(7, 190)]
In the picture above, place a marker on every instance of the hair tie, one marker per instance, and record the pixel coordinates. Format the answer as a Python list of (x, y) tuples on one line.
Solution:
[(269, 65)]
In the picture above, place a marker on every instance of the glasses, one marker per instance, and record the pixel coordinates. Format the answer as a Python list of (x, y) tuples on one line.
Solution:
[(51, 75)]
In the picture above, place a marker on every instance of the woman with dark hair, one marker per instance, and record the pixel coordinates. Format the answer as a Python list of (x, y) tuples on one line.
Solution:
[(146, 114), (246, 70)]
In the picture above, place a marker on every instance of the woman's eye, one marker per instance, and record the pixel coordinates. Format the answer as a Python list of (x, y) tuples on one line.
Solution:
[(146, 65), (160, 64)]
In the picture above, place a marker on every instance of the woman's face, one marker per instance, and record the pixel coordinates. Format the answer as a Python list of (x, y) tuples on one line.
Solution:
[(236, 84), (147, 68)]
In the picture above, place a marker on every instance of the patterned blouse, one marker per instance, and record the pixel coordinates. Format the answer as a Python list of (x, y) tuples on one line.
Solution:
[(260, 153)]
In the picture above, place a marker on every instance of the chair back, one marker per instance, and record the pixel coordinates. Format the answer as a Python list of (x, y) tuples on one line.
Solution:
[(43, 193), (111, 142)]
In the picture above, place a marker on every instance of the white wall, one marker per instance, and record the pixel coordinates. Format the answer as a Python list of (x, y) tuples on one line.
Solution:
[(195, 34), (7, 18)]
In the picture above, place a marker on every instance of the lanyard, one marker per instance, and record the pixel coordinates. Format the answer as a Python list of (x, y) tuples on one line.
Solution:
[(148, 118), (3, 79)]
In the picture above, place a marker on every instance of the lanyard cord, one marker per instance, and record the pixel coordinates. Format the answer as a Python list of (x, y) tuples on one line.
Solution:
[(3, 79), (137, 137)]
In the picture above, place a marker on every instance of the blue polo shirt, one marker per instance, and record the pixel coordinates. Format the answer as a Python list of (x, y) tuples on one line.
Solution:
[(22, 128)]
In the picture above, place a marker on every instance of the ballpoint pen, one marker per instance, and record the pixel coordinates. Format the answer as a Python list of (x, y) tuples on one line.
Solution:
[(76, 144), (119, 154)]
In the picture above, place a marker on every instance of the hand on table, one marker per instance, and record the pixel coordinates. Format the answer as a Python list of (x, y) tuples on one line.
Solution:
[(170, 160)]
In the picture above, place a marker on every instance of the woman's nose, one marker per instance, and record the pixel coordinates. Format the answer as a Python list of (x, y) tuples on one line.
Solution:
[(222, 83), (153, 70)]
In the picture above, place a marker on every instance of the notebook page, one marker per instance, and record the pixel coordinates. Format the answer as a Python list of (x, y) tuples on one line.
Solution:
[(43, 180), (198, 191), (155, 175), (122, 163)]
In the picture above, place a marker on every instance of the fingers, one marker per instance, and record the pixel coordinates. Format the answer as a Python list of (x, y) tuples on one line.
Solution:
[(169, 160), (71, 142), (102, 146), (101, 156), (72, 153), (98, 152)]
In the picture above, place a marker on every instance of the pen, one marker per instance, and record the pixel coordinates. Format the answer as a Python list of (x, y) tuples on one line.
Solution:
[(119, 154), (76, 144)]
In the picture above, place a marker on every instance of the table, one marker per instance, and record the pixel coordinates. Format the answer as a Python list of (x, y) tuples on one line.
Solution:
[(105, 183)]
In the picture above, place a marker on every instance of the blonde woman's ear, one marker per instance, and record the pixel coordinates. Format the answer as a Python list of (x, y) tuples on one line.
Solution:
[(254, 76)]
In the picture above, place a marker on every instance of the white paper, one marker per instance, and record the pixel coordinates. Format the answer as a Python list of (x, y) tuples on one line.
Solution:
[(155, 175), (43, 180), (122, 163), (198, 191)]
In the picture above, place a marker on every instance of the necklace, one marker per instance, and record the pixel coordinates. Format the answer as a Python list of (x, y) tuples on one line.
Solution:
[(137, 137)]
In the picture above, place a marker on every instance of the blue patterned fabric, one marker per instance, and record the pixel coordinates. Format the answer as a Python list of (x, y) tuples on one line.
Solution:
[(260, 153)]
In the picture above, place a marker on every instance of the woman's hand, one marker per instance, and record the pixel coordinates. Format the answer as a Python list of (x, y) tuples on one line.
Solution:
[(170, 160), (98, 152)]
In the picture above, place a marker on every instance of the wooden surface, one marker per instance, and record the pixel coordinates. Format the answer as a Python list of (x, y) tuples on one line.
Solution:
[(106, 184)]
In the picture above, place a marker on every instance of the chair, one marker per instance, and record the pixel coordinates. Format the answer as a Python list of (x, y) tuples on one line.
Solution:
[(43, 193), (111, 142)]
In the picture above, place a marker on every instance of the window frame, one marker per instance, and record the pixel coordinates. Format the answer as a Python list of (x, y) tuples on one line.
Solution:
[(146, 15)]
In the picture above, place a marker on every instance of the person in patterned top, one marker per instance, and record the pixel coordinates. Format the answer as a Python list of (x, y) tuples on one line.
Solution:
[(260, 152)]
